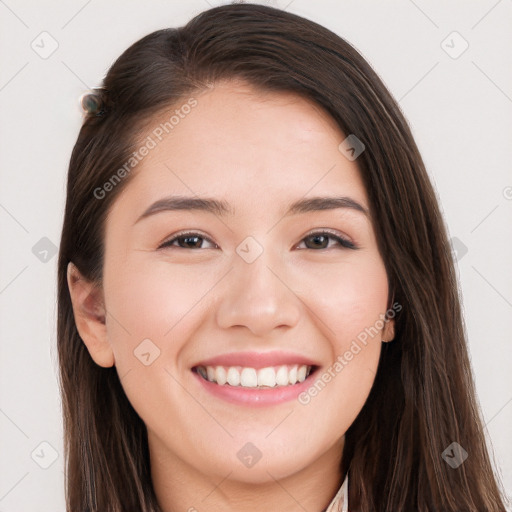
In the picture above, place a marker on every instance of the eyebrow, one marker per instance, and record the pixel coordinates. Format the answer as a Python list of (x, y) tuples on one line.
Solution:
[(222, 208)]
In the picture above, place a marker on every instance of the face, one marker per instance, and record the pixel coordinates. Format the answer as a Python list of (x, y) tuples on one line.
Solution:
[(256, 293)]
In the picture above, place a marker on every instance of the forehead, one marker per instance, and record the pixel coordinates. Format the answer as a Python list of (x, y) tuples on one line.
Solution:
[(246, 146)]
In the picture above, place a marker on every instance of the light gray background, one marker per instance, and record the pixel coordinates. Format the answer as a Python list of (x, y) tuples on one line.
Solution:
[(460, 111)]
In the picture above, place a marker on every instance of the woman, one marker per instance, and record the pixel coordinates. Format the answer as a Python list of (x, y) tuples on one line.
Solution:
[(215, 354)]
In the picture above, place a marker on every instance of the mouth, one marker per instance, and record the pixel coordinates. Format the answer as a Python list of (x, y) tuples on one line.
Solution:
[(270, 377)]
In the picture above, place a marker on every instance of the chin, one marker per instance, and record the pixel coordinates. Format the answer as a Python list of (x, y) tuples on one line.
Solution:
[(261, 462)]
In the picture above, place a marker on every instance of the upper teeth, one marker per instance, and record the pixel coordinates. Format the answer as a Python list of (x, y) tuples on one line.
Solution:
[(250, 377)]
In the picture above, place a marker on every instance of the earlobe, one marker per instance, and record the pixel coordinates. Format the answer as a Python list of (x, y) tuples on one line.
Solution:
[(90, 316), (388, 332)]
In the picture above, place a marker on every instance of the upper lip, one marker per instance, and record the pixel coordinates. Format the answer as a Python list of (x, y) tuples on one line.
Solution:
[(257, 359)]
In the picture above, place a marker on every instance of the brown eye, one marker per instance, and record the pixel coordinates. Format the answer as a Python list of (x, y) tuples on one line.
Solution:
[(189, 240), (320, 240)]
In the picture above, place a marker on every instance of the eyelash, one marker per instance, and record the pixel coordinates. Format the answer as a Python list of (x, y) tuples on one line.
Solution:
[(343, 242)]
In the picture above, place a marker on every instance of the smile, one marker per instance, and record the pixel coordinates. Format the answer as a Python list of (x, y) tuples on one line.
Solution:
[(247, 377)]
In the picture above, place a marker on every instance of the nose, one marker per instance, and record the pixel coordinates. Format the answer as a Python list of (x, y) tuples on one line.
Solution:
[(258, 297)]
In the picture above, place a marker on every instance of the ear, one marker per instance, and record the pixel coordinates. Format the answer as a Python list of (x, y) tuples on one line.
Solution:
[(89, 311), (388, 332)]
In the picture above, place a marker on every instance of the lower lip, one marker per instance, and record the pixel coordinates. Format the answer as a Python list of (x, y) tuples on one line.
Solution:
[(253, 396)]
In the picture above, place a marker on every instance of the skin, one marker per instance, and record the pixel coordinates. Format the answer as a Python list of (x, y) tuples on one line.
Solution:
[(259, 152)]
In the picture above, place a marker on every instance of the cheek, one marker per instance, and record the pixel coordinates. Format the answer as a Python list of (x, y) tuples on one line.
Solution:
[(151, 309), (155, 300), (350, 298), (351, 308), (150, 299)]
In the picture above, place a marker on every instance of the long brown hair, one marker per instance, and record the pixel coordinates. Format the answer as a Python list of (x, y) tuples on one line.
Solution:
[(423, 398)]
